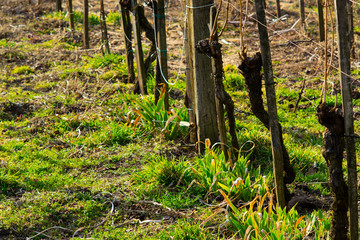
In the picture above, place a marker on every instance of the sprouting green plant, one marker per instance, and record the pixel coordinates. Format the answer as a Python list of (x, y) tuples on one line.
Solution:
[(78, 16), (234, 81), (258, 220), (22, 70), (60, 15), (114, 18), (94, 19), (108, 60), (6, 43), (120, 134), (169, 173), (155, 118), (239, 180)]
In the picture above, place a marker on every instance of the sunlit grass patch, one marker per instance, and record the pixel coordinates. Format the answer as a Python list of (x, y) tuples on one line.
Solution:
[(23, 70)]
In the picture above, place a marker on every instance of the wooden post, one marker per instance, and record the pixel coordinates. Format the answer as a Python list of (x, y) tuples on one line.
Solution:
[(104, 33), (71, 15), (189, 98), (126, 24), (58, 5), (219, 105), (200, 65), (271, 102), (162, 47), (351, 28), (321, 20), (278, 8), (346, 92), (86, 24), (302, 13), (138, 48)]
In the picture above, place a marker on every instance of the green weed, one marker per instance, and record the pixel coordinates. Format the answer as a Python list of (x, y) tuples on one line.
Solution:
[(259, 221), (94, 19), (167, 173), (113, 18), (119, 134), (155, 118), (6, 43), (239, 180), (22, 70)]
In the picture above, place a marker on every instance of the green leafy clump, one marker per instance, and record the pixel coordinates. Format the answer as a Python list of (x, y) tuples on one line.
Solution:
[(108, 60), (239, 180), (157, 120), (161, 171), (22, 70), (261, 219), (233, 80), (119, 134), (6, 43), (61, 15), (94, 19), (78, 16), (113, 18)]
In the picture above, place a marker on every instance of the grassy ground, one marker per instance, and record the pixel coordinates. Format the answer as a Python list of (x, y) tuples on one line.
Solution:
[(78, 162)]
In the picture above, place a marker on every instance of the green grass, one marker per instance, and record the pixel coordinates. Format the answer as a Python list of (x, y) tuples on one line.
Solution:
[(23, 70)]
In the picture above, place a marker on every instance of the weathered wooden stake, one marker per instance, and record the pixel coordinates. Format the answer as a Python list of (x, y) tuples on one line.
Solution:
[(189, 97), (271, 102), (138, 48), (200, 65), (302, 14), (71, 15), (351, 28), (104, 33), (86, 25), (159, 15), (321, 20), (343, 31), (278, 8), (126, 24), (59, 5)]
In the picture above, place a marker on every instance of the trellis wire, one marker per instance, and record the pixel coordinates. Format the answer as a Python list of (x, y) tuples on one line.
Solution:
[(162, 50), (295, 45), (246, 15)]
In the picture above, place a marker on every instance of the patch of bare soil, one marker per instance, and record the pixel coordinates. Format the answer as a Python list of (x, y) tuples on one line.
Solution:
[(11, 110), (148, 210), (307, 201)]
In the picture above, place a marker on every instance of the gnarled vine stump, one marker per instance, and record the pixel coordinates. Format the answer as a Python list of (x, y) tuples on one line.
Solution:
[(332, 119), (250, 68), (213, 50)]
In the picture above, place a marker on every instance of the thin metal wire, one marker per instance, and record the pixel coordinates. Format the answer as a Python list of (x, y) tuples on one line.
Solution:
[(302, 49), (158, 51)]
